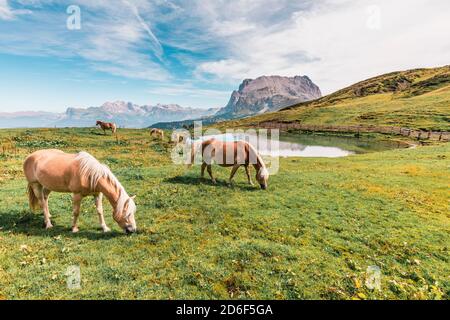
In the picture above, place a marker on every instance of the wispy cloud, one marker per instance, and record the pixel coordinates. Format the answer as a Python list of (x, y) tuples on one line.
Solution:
[(113, 38), (155, 42), (7, 13), (331, 40), (189, 90), (204, 43)]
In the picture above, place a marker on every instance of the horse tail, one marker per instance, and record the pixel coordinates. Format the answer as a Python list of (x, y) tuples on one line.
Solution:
[(193, 151), (191, 163), (32, 199)]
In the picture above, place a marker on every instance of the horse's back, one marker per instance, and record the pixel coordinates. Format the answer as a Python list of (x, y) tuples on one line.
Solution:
[(33, 159), (43, 155), (50, 165), (225, 153)]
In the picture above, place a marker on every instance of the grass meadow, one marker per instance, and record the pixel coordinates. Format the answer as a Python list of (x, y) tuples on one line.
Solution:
[(311, 235)]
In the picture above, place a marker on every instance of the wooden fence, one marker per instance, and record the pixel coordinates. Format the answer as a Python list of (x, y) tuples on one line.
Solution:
[(414, 134)]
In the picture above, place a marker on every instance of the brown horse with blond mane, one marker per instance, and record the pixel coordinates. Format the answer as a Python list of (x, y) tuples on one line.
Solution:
[(231, 154), (82, 175), (106, 126)]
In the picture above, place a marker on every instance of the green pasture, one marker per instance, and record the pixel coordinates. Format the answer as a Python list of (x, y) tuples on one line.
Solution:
[(311, 235)]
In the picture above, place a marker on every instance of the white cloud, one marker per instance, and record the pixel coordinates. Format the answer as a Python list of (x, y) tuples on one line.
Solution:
[(227, 69), (336, 36), (155, 42), (335, 42), (232, 28), (6, 13), (188, 90), (113, 38)]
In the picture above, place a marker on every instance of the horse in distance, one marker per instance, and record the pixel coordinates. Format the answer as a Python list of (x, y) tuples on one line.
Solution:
[(158, 133), (106, 126)]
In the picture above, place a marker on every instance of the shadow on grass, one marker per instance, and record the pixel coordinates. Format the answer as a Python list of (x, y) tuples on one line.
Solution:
[(100, 134), (189, 180), (32, 224)]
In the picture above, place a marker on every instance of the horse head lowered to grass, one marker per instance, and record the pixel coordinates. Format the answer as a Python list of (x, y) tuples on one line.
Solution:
[(82, 175), (231, 154)]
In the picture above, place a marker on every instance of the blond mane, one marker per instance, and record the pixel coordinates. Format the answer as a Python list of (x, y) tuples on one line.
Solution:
[(93, 170), (259, 159)]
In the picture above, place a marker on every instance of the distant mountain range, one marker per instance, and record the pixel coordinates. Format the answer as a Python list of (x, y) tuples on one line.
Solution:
[(254, 96), (125, 114)]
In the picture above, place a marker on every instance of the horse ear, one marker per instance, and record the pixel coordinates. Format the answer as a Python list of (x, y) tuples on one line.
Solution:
[(133, 197)]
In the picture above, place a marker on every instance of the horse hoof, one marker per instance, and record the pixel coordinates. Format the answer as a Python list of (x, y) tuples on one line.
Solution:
[(75, 229), (106, 230), (48, 226)]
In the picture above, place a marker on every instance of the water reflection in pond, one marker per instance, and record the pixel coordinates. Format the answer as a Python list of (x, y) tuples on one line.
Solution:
[(308, 145)]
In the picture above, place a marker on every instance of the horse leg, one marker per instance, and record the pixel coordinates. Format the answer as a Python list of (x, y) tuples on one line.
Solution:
[(99, 206), (210, 173), (233, 172), (44, 198), (249, 178), (46, 195), (203, 169), (76, 199)]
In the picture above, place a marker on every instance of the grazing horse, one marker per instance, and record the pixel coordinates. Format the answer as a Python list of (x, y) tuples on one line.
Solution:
[(82, 175), (106, 126), (157, 133), (232, 154)]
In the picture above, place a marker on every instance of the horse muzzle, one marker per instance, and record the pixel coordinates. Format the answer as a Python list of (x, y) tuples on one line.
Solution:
[(130, 230)]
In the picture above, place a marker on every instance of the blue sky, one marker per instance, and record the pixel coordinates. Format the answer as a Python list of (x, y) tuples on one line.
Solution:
[(195, 53)]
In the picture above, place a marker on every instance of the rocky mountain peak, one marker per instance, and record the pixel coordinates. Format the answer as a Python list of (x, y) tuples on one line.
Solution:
[(119, 107), (269, 93)]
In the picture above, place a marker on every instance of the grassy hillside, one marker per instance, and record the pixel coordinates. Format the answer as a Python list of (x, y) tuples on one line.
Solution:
[(416, 99), (311, 235)]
